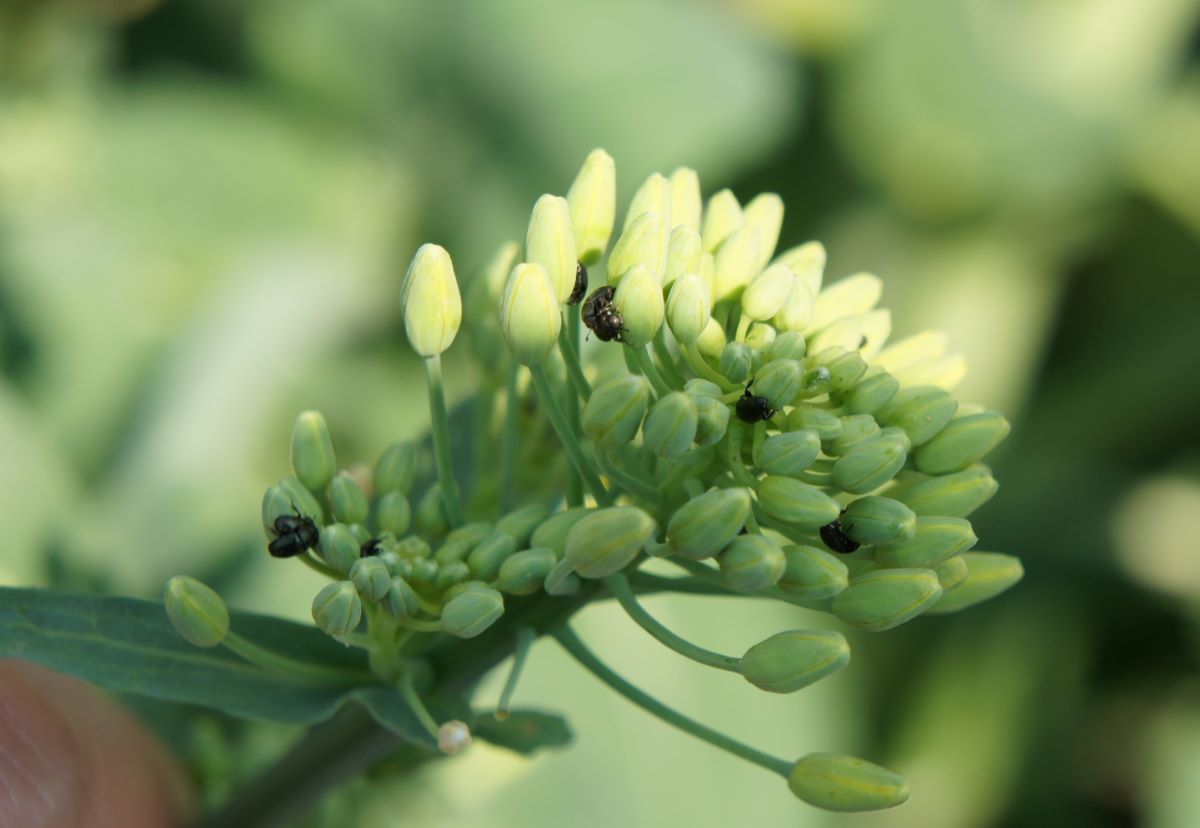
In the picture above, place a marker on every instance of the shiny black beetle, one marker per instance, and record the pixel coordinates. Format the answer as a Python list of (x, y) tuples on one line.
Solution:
[(836, 539), (752, 409), (294, 534), (600, 316), (581, 283)]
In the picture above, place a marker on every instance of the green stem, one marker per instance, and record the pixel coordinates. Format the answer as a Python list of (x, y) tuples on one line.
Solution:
[(665, 358), (733, 456), (742, 328), (619, 587), (525, 639), (413, 700), (310, 673), (573, 393), (420, 625), (441, 441), (545, 392), (568, 335), (650, 370), (579, 651), (508, 441), (712, 576), (309, 560), (628, 480), (702, 369)]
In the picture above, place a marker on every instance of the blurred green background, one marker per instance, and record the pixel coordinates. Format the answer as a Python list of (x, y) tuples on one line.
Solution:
[(206, 207)]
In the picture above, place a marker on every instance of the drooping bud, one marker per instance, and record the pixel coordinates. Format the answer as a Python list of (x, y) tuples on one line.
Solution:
[(874, 520), (396, 469), (685, 199), (845, 783), (789, 661), (796, 312), (722, 218), (886, 598), (614, 412), (789, 453), (337, 609), (767, 292), (765, 213), (936, 538), (752, 562), (827, 425), (196, 612), (683, 254), (713, 421), (706, 524), (872, 393), (553, 533), (867, 467), (964, 441), (550, 243), (348, 501), (711, 341), (593, 202), (812, 574), (607, 540), (529, 314), (643, 242), (640, 301), (523, 572), (431, 302), (807, 261), (520, 523), (485, 559), (470, 609), (393, 513), (671, 425), (856, 430), (313, 459), (846, 297), (951, 572), (339, 547), (779, 382), (371, 578), (737, 360), (955, 495), (796, 502), (988, 574), (922, 412), (654, 196), (401, 601), (736, 263), (688, 311)]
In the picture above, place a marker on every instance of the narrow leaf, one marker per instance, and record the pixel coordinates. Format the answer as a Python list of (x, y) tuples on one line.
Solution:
[(524, 731)]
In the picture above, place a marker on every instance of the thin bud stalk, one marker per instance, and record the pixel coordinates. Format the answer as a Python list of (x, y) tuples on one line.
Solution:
[(650, 371), (508, 441), (451, 501), (525, 639), (282, 665), (545, 392)]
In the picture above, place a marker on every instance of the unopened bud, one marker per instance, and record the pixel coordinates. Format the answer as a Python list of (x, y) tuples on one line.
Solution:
[(988, 574), (876, 520), (752, 562), (396, 469), (845, 367), (722, 217), (337, 609), (451, 574), (964, 441), (348, 501), (736, 263), (795, 314), (922, 412), (313, 459), (779, 382), (431, 302), (955, 495), (789, 453), (683, 254), (196, 612), (529, 314), (706, 524), (486, 558), (712, 422), (886, 598), (688, 311), (847, 297), (606, 541), (593, 202), (845, 783), (856, 430), (685, 199), (711, 341), (936, 538), (553, 533), (867, 467), (796, 502), (520, 523), (671, 425), (759, 336), (339, 546), (550, 243), (872, 392), (812, 574), (371, 578), (472, 608), (826, 424), (767, 292), (640, 301), (614, 412), (430, 516), (737, 360), (393, 513), (789, 661), (643, 242), (951, 572), (523, 572), (807, 261), (765, 213)]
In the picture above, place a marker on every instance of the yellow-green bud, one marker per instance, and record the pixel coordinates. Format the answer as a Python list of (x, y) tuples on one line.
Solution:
[(348, 501), (956, 495), (767, 292), (845, 783), (812, 574), (936, 538), (713, 420), (451, 574), (430, 516), (922, 412), (703, 388), (951, 572), (722, 217), (485, 559), (614, 412), (196, 612), (796, 312), (593, 202), (867, 467), (683, 254), (856, 430), (396, 469), (711, 341), (432, 305), (796, 502), (401, 601), (847, 297), (765, 213), (887, 598), (654, 196), (872, 393), (814, 383), (393, 513), (779, 381), (789, 453), (606, 541), (639, 300), (529, 314), (736, 263), (828, 426), (523, 572), (553, 533), (964, 441), (875, 520), (737, 360), (706, 524), (642, 242), (473, 608), (786, 345), (313, 459), (337, 609), (339, 546), (988, 574), (760, 336), (671, 425), (789, 661), (845, 367), (685, 199), (688, 311), (550, 243), (425, 571), (752, 562), (413, 548), (371, 578), (807, 261), (520, 523)]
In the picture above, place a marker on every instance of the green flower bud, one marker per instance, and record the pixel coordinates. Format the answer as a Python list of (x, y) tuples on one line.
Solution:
[(807, 261), (950, 573), (737, 360), (789, 661), (706, 524), (812, 574), (643, 242), (767, 292), (856, 430), (722, 218), (473, 608), (779, 382), (752, 562), (553, 533), (196, 612), (432, 305), (688, 311), (845, 367), (964, 441), (713, 420), (486, 558), (348, 501), (523, 572), (874, 520), (683, 254), (795, 502), (550, 242), (425, 571), (360, 532), (796, 312), (393, 513), (872, 393), (412, 548), (430, 515), (313, 459), (606, 541), (529, 314), (654, 196), (765, 213), (847, 297), (814, 383), (451, 574), (867, 467), (339, 546), (703, 388), (685, 199), (936, 538), (944, 372), (711, 341), (401, 601), (337, 609), (956, 495), (371, 578), (828, 426), (462, 540), (520, 523), (988, 574), (736, 263), (671, 425), (396, 469), (789, 453), (887, 598), (922, 412), (280, 500), (759, 336), (858, 565), (614, 412), (844, 783), (640, 302), (593, 202)]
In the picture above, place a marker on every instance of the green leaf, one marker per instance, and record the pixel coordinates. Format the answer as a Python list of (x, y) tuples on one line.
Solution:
[(129, 646), (524, 731)]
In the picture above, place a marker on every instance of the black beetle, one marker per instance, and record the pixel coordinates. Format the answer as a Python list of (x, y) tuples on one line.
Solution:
[(581, 283), (600, 316), (752, 409), (836, 539), (294, 534)]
